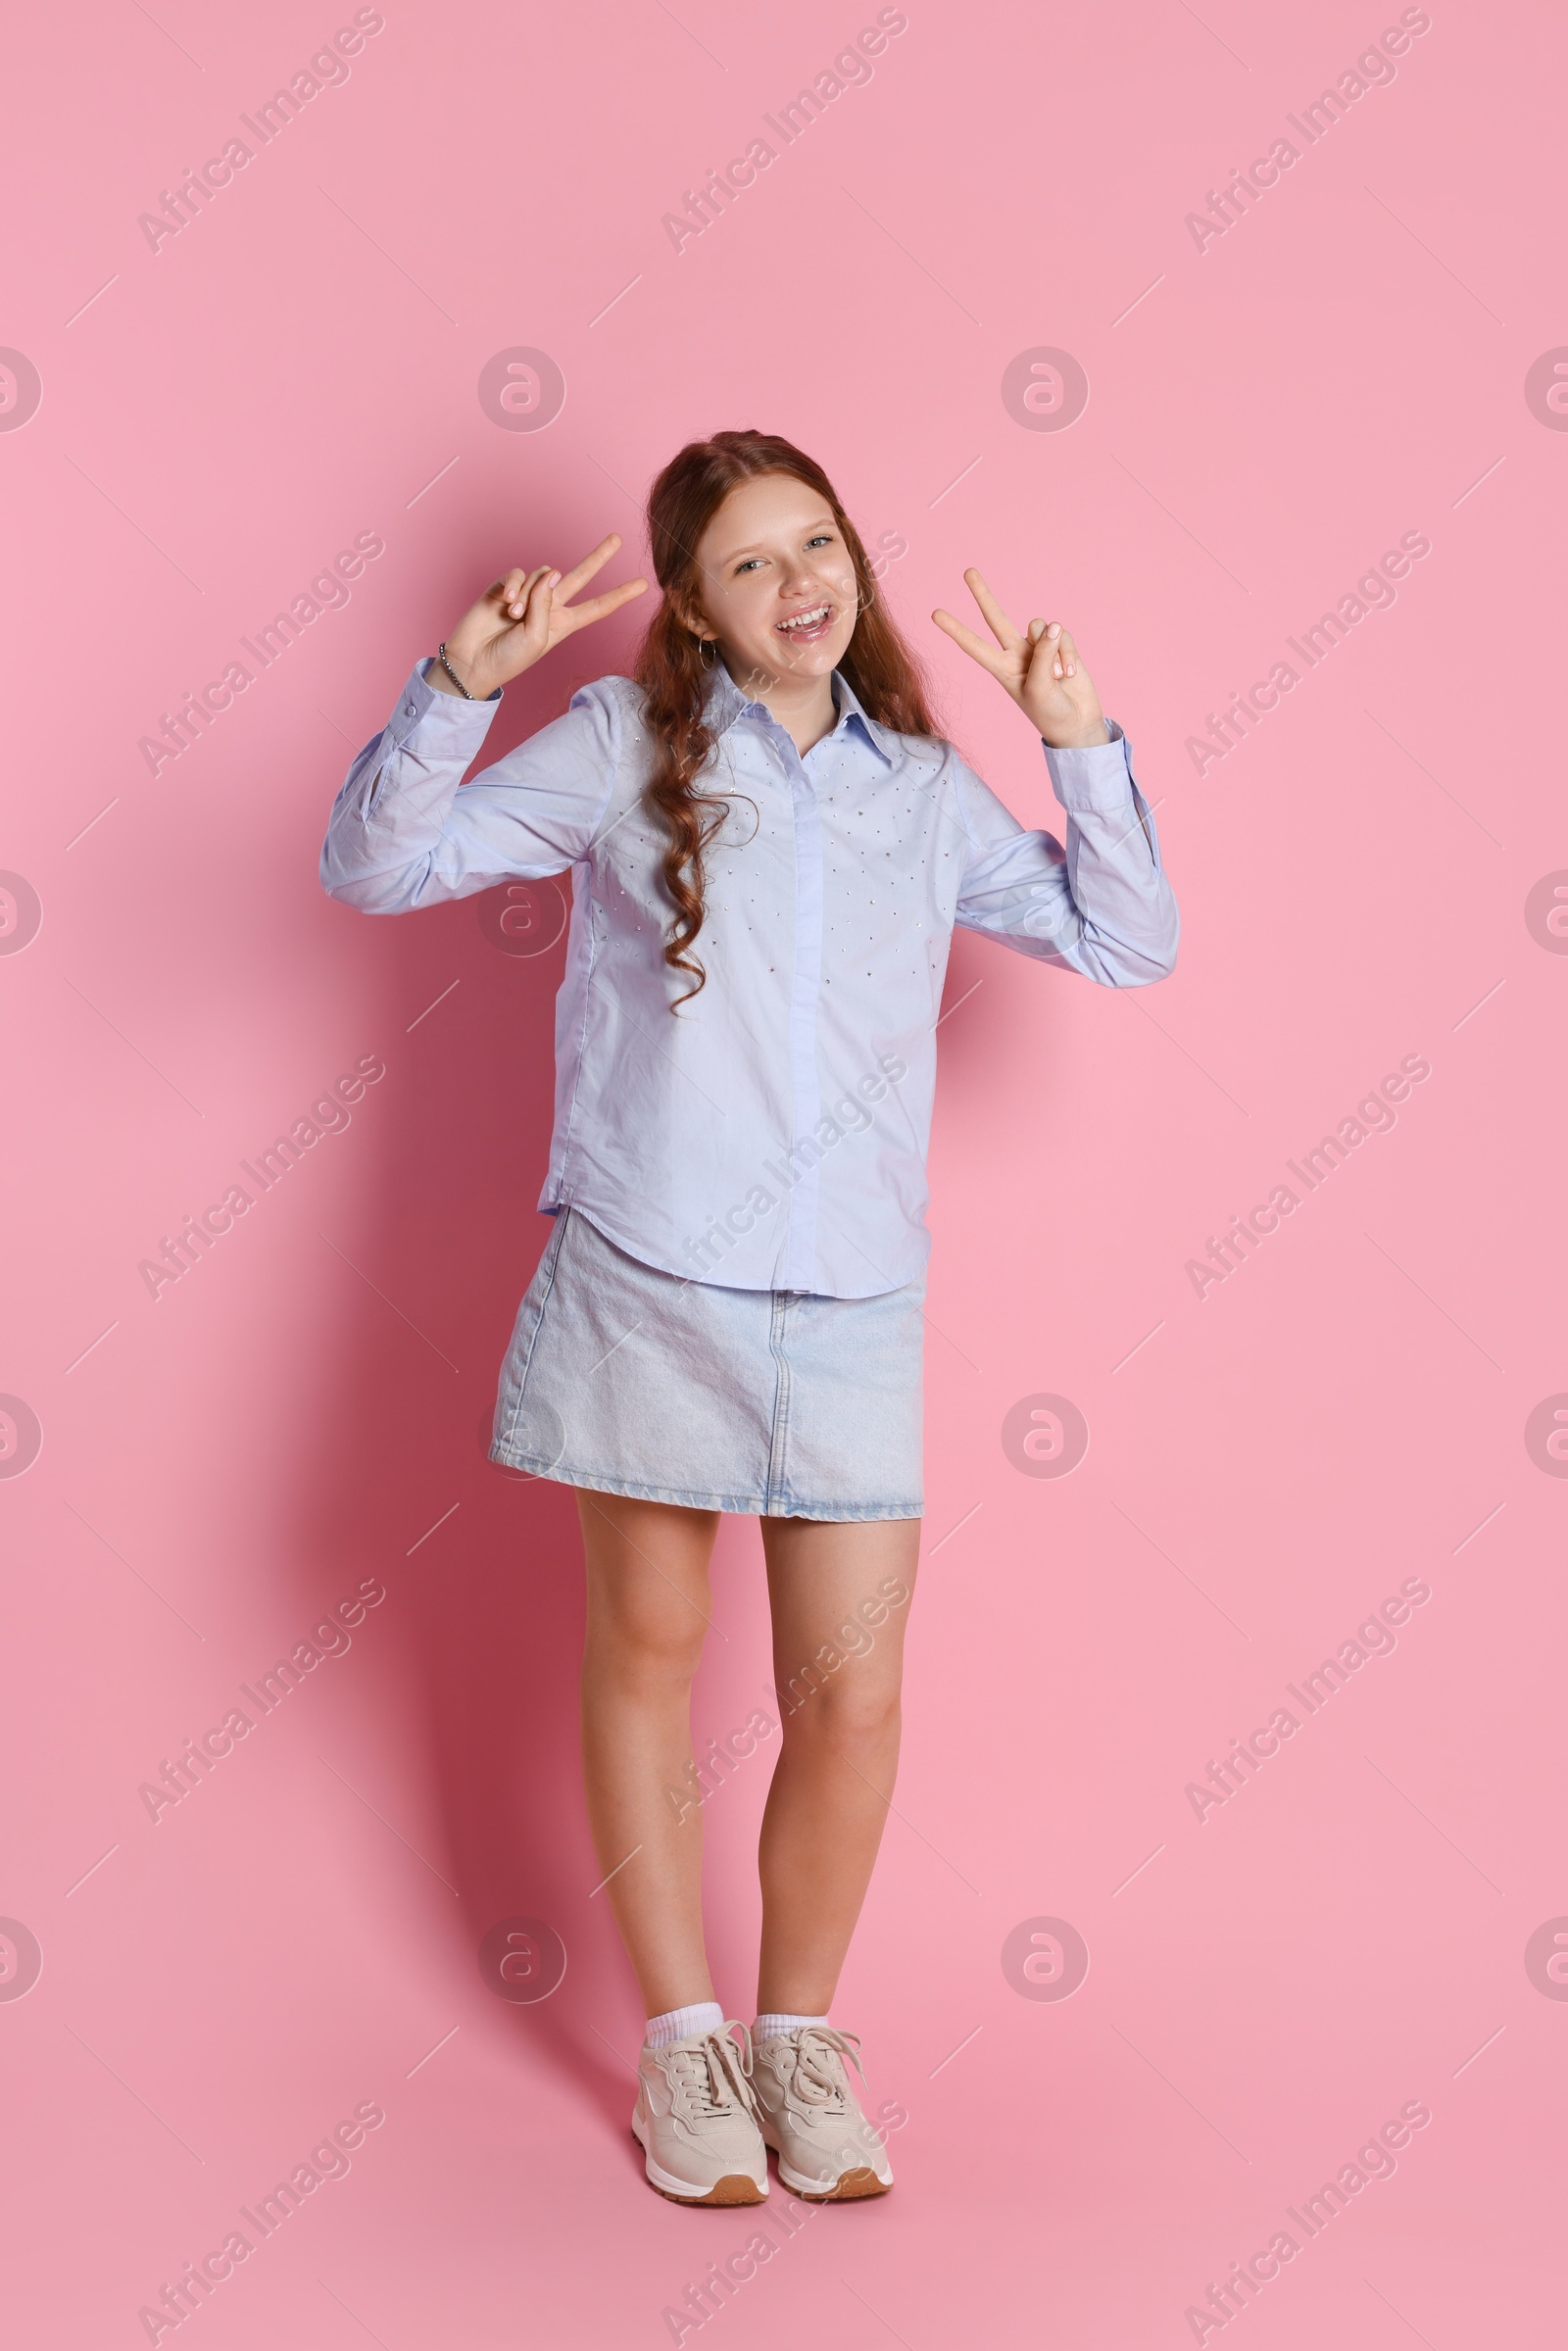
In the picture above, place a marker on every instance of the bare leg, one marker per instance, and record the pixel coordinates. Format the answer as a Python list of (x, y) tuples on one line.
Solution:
[(648, 1611), (840, 1595)]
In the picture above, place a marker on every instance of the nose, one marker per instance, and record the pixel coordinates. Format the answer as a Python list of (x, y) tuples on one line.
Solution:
[(798, 575)]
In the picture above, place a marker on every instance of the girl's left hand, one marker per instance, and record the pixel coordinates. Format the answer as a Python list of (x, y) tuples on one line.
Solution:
[(1041, 670)]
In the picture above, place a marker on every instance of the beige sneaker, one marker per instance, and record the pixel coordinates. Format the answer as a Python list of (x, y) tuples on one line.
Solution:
[(827, 2148), (696, 2118)]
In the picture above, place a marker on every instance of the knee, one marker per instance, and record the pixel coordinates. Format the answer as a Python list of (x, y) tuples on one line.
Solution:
[(845, 1714), (646, 1647)]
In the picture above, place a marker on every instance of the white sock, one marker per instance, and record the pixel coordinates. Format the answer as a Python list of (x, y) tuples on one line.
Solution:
[(679, 2024), (769, 2025)]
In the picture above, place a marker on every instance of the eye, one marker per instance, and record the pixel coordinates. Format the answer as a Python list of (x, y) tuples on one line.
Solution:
[(822, 539), (746, 563)]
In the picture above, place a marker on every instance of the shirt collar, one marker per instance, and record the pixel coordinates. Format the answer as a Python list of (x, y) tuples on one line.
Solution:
[(882, 739), (725, 704)]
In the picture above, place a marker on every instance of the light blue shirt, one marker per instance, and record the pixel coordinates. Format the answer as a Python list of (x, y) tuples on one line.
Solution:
[(772, 1134)]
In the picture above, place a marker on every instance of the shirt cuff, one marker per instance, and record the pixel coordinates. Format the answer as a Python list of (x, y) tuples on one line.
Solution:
[(1095, 775), (422, 705)]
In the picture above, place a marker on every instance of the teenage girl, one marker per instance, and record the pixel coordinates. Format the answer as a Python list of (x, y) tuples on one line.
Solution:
[(769, 842)]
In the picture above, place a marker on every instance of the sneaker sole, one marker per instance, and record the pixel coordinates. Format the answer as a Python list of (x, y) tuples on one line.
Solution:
[(861, 2181), (735, 2187)]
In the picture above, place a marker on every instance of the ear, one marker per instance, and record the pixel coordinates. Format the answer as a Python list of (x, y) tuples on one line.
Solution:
[(689, 612)]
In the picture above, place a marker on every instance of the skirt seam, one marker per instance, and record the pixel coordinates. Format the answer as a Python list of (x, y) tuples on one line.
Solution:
[(551, 1253), (779, 1427)]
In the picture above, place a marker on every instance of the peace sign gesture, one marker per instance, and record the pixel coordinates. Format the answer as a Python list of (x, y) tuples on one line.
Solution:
[(1041, 670), (517, 621)]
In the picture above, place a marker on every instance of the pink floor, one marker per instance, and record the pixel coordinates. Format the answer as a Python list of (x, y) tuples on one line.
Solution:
[(1347, 401)]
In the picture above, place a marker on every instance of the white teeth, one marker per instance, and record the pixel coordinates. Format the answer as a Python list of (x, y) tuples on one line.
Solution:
[(806, 619)]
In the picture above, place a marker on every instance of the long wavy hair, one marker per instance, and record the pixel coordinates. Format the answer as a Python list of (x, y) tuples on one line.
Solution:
[(675, 668)]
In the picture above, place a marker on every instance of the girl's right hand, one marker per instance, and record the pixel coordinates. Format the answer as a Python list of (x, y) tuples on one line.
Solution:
[(517, 622)]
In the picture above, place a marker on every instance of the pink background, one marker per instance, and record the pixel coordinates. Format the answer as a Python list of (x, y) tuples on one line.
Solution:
[(299, 1412)]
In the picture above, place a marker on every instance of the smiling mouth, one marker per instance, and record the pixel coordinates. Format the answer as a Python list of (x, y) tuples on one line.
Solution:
[(808, 626)]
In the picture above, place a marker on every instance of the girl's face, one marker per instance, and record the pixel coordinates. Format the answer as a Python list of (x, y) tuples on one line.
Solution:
[(777, 583)]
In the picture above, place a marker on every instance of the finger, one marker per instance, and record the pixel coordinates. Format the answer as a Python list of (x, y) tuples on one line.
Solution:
[(579, 615), (519, 586), (533, 604), (581, 572), (546, 587), (997, 620), (1049, 634), (976, 646), (1067, 653), (537, 620)]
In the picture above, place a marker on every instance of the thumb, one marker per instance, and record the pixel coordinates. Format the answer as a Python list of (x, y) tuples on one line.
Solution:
[(535, 622), (1046, 649)]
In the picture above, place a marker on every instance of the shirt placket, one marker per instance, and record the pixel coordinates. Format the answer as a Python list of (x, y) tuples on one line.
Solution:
[(799, 1246)]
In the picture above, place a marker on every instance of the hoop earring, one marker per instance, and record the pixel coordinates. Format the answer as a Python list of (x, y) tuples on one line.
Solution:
[(706, 652)]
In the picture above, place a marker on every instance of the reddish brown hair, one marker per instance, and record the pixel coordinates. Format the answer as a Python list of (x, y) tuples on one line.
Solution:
[(675, 676)]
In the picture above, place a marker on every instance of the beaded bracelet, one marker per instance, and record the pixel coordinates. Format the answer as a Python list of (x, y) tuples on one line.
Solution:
[(441, 657)]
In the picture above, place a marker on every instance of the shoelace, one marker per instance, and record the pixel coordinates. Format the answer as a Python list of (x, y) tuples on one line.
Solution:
[(712, 2079), (819, 2080)]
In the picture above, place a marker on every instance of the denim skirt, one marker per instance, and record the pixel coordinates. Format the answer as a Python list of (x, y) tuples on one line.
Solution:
[(778, 1402)]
